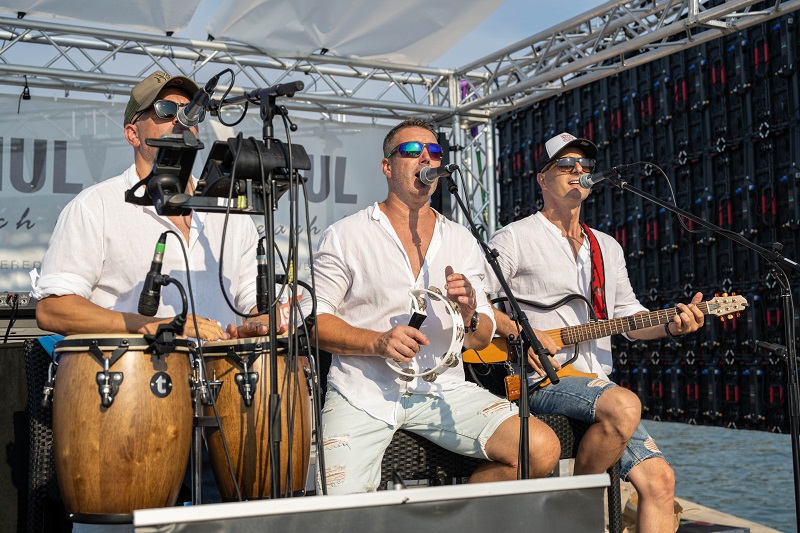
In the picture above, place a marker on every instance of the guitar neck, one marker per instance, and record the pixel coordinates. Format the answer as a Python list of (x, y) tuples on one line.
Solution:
[(605, 328)]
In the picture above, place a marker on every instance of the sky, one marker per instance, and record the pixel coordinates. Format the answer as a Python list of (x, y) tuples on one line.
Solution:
[(513, 21)]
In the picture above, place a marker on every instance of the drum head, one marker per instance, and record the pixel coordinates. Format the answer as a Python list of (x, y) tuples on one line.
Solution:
[(243, 346), (112, 341)]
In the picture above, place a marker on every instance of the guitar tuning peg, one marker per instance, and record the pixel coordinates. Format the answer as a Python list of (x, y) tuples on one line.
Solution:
[(716, 294), (724, 294), (730, 317), (722, 319)]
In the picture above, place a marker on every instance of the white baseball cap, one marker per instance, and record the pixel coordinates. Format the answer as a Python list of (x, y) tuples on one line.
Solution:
[(561, 142)]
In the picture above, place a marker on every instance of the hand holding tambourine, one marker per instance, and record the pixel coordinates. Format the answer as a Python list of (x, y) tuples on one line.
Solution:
[(429, 364)]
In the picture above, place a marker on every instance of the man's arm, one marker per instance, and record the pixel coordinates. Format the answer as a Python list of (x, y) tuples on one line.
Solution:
[(400, 343), (72, 314)]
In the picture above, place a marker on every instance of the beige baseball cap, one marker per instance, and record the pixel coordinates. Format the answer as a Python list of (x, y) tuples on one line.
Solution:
[(146, 91)]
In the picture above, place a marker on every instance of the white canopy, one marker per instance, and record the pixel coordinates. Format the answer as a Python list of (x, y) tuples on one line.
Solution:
[(413, 32)]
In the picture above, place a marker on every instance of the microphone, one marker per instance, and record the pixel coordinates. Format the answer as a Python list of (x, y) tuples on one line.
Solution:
[(189, 116), (261, 278), (429, 175), (587, 180), (151, 292), (776, 349)]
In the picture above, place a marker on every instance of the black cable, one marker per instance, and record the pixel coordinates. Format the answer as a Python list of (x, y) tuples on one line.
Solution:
[(12, 319), (202, 361)]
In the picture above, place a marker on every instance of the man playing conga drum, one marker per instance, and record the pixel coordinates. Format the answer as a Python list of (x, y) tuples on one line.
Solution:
[(101, 248)]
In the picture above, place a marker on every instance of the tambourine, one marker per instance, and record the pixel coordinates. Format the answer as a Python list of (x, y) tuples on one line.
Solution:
[(419, 307)]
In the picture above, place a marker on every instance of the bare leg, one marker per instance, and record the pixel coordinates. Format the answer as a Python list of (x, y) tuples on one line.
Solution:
[(654, 481), (503, 449), (617, 415)]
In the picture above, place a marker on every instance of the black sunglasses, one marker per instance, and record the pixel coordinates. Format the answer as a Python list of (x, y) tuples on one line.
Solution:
[(414, 149), (166, 109), (567, 164)]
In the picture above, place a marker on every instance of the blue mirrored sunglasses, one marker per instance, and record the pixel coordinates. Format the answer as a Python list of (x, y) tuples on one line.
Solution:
[(414, 149)]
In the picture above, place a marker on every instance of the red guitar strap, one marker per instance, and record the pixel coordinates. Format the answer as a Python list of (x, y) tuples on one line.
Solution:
[(598, 275)]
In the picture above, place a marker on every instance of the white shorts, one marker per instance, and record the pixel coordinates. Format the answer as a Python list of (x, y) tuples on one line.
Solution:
[(355, 441)]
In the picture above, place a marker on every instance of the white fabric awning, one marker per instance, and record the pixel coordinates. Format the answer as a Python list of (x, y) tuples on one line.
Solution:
[(413, 32), (146, 15)]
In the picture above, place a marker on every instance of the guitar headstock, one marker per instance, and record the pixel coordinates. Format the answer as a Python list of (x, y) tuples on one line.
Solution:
[(726, 305)]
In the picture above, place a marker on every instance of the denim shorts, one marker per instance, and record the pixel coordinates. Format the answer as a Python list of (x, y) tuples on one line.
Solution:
[(576, 397), (354, 441)]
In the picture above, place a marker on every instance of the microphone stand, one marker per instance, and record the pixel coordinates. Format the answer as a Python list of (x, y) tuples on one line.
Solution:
[(527, 335), (781, 267), (267, 102)]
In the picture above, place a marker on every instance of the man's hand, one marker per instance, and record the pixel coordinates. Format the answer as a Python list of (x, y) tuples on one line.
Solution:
[(258, 327), (400, 343), (549, 345), (460, 290), (688, 318), (207, 329)]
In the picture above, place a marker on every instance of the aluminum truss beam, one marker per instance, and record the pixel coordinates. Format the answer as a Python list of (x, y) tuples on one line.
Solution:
[(613, 37)]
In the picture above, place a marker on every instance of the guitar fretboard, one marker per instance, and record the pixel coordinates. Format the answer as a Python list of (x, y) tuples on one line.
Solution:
[(606, 328)]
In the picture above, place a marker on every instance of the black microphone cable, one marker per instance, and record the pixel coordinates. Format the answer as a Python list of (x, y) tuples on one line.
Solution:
[(202, 361), (13, 300)]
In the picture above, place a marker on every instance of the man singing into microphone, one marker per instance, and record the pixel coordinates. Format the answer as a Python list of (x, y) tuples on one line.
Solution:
[(101, 248), (365, 266), (551, 255)]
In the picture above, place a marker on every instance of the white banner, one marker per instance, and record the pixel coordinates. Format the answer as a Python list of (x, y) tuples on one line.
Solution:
[(55, 148)]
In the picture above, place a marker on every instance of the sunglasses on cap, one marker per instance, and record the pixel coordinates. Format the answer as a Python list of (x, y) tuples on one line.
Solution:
[(167, 110), (567, 164), (414, 149)]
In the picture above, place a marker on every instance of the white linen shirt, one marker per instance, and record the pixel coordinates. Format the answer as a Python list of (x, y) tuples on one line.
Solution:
[(363, 275), (539, 265), (102, 247)]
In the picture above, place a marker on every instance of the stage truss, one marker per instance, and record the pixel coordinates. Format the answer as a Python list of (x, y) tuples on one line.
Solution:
[(613, 37)]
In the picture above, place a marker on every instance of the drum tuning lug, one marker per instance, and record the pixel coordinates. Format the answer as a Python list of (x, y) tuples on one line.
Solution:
[(246, 381), (108, 386)]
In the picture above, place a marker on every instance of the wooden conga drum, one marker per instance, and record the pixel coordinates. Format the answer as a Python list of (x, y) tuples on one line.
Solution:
[(122, 425), (243, 410)]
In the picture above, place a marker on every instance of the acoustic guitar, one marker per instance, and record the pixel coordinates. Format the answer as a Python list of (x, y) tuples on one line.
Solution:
[(720, 306)]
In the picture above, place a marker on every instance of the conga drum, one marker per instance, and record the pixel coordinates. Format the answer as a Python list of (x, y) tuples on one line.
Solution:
[(122, 425), (243, 366)]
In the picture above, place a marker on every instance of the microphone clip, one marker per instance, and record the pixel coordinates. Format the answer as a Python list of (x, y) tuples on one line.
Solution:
[(163, 342)]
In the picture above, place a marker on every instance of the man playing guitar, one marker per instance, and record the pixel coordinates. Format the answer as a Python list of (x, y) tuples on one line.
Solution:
[(550, 255)]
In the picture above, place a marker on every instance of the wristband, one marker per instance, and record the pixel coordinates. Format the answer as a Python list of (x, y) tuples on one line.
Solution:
[(669, 333), (473, 323)]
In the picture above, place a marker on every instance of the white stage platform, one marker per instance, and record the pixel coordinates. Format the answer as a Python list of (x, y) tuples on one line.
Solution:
[(554, 505)]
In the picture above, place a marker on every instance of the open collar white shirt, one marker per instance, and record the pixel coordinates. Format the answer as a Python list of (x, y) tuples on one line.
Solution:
[(363, 276), (101, 249), (539, 265)]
